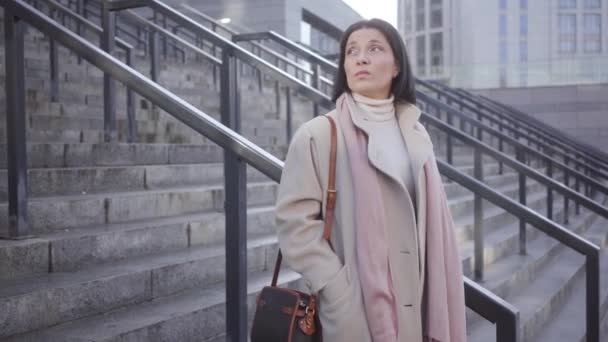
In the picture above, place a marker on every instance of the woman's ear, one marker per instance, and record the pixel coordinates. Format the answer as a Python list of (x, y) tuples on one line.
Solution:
[(396, 71)]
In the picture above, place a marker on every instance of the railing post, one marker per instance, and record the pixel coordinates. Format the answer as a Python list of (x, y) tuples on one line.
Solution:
[(567, 184), (108, 19), (235, 184), (522, 200), (592, 294), (79, 30), (549, 190), (587, 186), (507, 329), (501, 149), (54, 66), (478, 224), (259, 75), (154, 54), (316, 82), (18, 226), (289, 118), (130, 105), (577, 185), (164, 38), (448, 140)]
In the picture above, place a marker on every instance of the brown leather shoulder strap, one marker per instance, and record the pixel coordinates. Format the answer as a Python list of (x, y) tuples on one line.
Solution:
[(331, 197)]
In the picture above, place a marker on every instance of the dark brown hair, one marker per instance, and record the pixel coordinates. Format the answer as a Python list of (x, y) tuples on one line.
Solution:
[(402, 87)]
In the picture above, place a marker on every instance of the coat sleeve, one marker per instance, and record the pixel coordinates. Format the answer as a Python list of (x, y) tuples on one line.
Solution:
[(298, 215)]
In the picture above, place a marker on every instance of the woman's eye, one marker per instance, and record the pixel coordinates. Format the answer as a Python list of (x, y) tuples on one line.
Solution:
[(376, 49), (351, 51)]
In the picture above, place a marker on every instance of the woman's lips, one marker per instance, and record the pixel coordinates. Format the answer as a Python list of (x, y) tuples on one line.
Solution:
[(362, 73)]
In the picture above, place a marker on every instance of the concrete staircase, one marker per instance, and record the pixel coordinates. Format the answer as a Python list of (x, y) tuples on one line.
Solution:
[(129, 241)]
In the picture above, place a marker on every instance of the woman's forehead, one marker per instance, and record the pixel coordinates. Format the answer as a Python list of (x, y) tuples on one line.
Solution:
[(366, 35)]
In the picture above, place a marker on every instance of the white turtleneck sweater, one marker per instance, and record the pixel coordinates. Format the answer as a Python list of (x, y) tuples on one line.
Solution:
[(381, 117)]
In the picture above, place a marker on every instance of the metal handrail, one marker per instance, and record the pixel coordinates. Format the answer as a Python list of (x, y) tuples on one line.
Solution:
[(240, 53), (143, 21), (121, 30), (238, 147), (257, 45), (518, 166), (583, 148), (447, 92), (522, 147), (54, 65)]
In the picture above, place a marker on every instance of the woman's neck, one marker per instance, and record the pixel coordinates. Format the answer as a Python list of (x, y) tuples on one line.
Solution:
[(375, 109)]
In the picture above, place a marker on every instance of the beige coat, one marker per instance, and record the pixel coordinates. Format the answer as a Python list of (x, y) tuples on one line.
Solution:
[(300, 203)]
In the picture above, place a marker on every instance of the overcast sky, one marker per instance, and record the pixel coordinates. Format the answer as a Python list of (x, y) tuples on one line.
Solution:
[(383, 9)]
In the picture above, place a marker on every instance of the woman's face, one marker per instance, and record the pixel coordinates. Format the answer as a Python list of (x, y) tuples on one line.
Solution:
[(369, 63)]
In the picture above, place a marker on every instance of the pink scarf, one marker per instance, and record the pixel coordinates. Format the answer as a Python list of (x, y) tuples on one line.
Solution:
[(443, 305)]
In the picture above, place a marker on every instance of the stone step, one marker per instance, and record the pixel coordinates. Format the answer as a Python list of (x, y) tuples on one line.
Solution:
[(87, 155), (60, 297), (463, 205), (195, 315), (495, 218), (79, 248), (87, 180), (61, 212), (569, 324), (536, 283)]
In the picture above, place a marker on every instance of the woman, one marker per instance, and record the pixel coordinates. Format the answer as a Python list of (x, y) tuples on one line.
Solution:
[(392, 271)]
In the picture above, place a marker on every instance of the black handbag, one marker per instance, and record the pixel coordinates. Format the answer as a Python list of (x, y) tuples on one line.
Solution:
[(287, 315)]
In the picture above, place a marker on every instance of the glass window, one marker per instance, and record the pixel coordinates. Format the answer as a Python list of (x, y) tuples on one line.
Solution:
[(503, 52), (592, 4), (567, 4), (523, 51), (502, 4), (436, 13), (420, 15), (421, 55), (436, 18), (592, 23), (523, 4), (567, 33), (523, 25), (305, 33), (567, 23), (592, 32), (437, 53), (408, 16), (503, 25)]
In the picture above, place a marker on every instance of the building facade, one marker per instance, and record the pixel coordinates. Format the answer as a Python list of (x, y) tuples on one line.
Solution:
[(480, 44)]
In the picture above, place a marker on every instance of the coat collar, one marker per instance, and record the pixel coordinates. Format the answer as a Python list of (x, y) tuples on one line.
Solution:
[(418, 144)]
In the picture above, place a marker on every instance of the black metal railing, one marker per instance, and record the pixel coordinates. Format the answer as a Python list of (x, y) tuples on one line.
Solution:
[(589, 173), (59, 11), (238, 150), (553, 140)]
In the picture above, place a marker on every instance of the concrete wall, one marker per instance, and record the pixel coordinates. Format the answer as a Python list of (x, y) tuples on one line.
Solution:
[(580, 111)]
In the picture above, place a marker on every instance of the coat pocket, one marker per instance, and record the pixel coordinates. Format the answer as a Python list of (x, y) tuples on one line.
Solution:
[(341, 310), (333, 293)]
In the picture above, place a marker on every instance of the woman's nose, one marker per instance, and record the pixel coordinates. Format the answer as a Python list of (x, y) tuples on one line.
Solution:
[(362, 59)]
